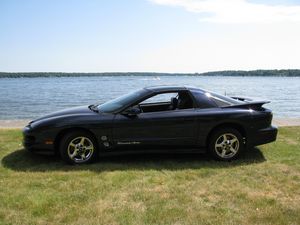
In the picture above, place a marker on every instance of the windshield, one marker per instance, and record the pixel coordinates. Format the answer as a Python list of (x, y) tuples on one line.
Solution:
[(120, 102)]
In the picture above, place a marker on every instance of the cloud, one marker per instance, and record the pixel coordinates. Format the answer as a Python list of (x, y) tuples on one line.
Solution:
[(237, 11)]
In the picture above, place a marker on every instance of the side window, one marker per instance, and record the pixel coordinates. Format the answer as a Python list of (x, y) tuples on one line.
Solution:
[(167, 101), (160, 98), (203, 100)]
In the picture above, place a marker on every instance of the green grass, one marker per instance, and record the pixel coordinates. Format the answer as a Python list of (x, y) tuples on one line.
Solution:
[(263, 187)]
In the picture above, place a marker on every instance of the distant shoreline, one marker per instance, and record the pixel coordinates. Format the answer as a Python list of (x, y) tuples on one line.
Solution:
[(235, 73)]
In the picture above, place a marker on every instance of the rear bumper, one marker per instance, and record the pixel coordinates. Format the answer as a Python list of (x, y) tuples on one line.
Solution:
[(264, 136)]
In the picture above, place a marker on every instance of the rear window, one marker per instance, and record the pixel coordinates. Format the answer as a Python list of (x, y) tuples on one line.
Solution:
[(203, 100), (222, 100)]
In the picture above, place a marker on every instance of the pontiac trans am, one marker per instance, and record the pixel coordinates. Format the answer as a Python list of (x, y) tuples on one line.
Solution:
[(154, 119)]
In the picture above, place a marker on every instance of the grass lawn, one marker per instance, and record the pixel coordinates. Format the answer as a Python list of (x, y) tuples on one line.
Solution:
[(263, 187)]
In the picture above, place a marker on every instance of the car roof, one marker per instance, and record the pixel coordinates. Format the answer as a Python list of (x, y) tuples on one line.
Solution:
[(162, 88)]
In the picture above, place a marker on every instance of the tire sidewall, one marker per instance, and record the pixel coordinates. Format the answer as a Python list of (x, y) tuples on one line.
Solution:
[(63, 148), (217, 134)]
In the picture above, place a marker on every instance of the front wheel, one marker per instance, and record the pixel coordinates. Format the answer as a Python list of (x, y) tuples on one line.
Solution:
[(226, 144), (78, 147)]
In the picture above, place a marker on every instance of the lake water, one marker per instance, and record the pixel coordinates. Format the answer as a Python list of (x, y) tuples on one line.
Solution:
[(27, 98)]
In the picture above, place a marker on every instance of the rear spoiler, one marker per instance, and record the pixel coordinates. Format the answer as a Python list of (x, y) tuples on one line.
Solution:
[(248, 103)]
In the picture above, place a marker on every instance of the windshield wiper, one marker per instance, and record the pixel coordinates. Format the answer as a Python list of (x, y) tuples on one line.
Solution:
[(93, 108)]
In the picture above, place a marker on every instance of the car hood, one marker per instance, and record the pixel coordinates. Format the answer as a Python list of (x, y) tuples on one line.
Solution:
[(80, 110)]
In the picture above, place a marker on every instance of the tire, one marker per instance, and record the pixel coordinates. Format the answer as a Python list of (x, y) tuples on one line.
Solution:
[(78, 147), (226, 144)]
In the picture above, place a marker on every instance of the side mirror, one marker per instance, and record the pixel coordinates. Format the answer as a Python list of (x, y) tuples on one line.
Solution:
[(133, 111)]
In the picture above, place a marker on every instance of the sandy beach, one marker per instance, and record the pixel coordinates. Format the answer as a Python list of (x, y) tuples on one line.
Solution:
[(6, 124), (18, 124)]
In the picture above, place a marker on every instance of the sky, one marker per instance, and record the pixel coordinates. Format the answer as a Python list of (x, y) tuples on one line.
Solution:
[(175, 36)]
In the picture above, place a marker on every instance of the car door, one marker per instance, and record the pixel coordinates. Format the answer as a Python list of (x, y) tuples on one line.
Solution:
[(170, 128)]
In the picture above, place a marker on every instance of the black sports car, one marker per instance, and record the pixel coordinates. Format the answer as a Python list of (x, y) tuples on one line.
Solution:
[(154, 119)]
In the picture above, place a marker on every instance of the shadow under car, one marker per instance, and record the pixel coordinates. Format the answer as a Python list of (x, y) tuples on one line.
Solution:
[(22, 160)]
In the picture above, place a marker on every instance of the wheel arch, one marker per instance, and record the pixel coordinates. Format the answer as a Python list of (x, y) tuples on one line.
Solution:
[(65, 131), (233, 125)]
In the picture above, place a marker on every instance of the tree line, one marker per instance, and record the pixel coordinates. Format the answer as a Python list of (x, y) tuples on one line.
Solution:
[(264, 73)]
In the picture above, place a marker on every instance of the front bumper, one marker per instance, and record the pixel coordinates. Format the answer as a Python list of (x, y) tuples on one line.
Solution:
[(264, 136), (36, 141)]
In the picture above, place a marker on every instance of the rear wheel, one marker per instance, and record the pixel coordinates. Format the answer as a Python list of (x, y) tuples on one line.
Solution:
[(226, 144), (78, 147)]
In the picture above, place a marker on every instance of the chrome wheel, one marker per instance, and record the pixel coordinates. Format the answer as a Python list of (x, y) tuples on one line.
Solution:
[(80, 149), (227, 145)]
